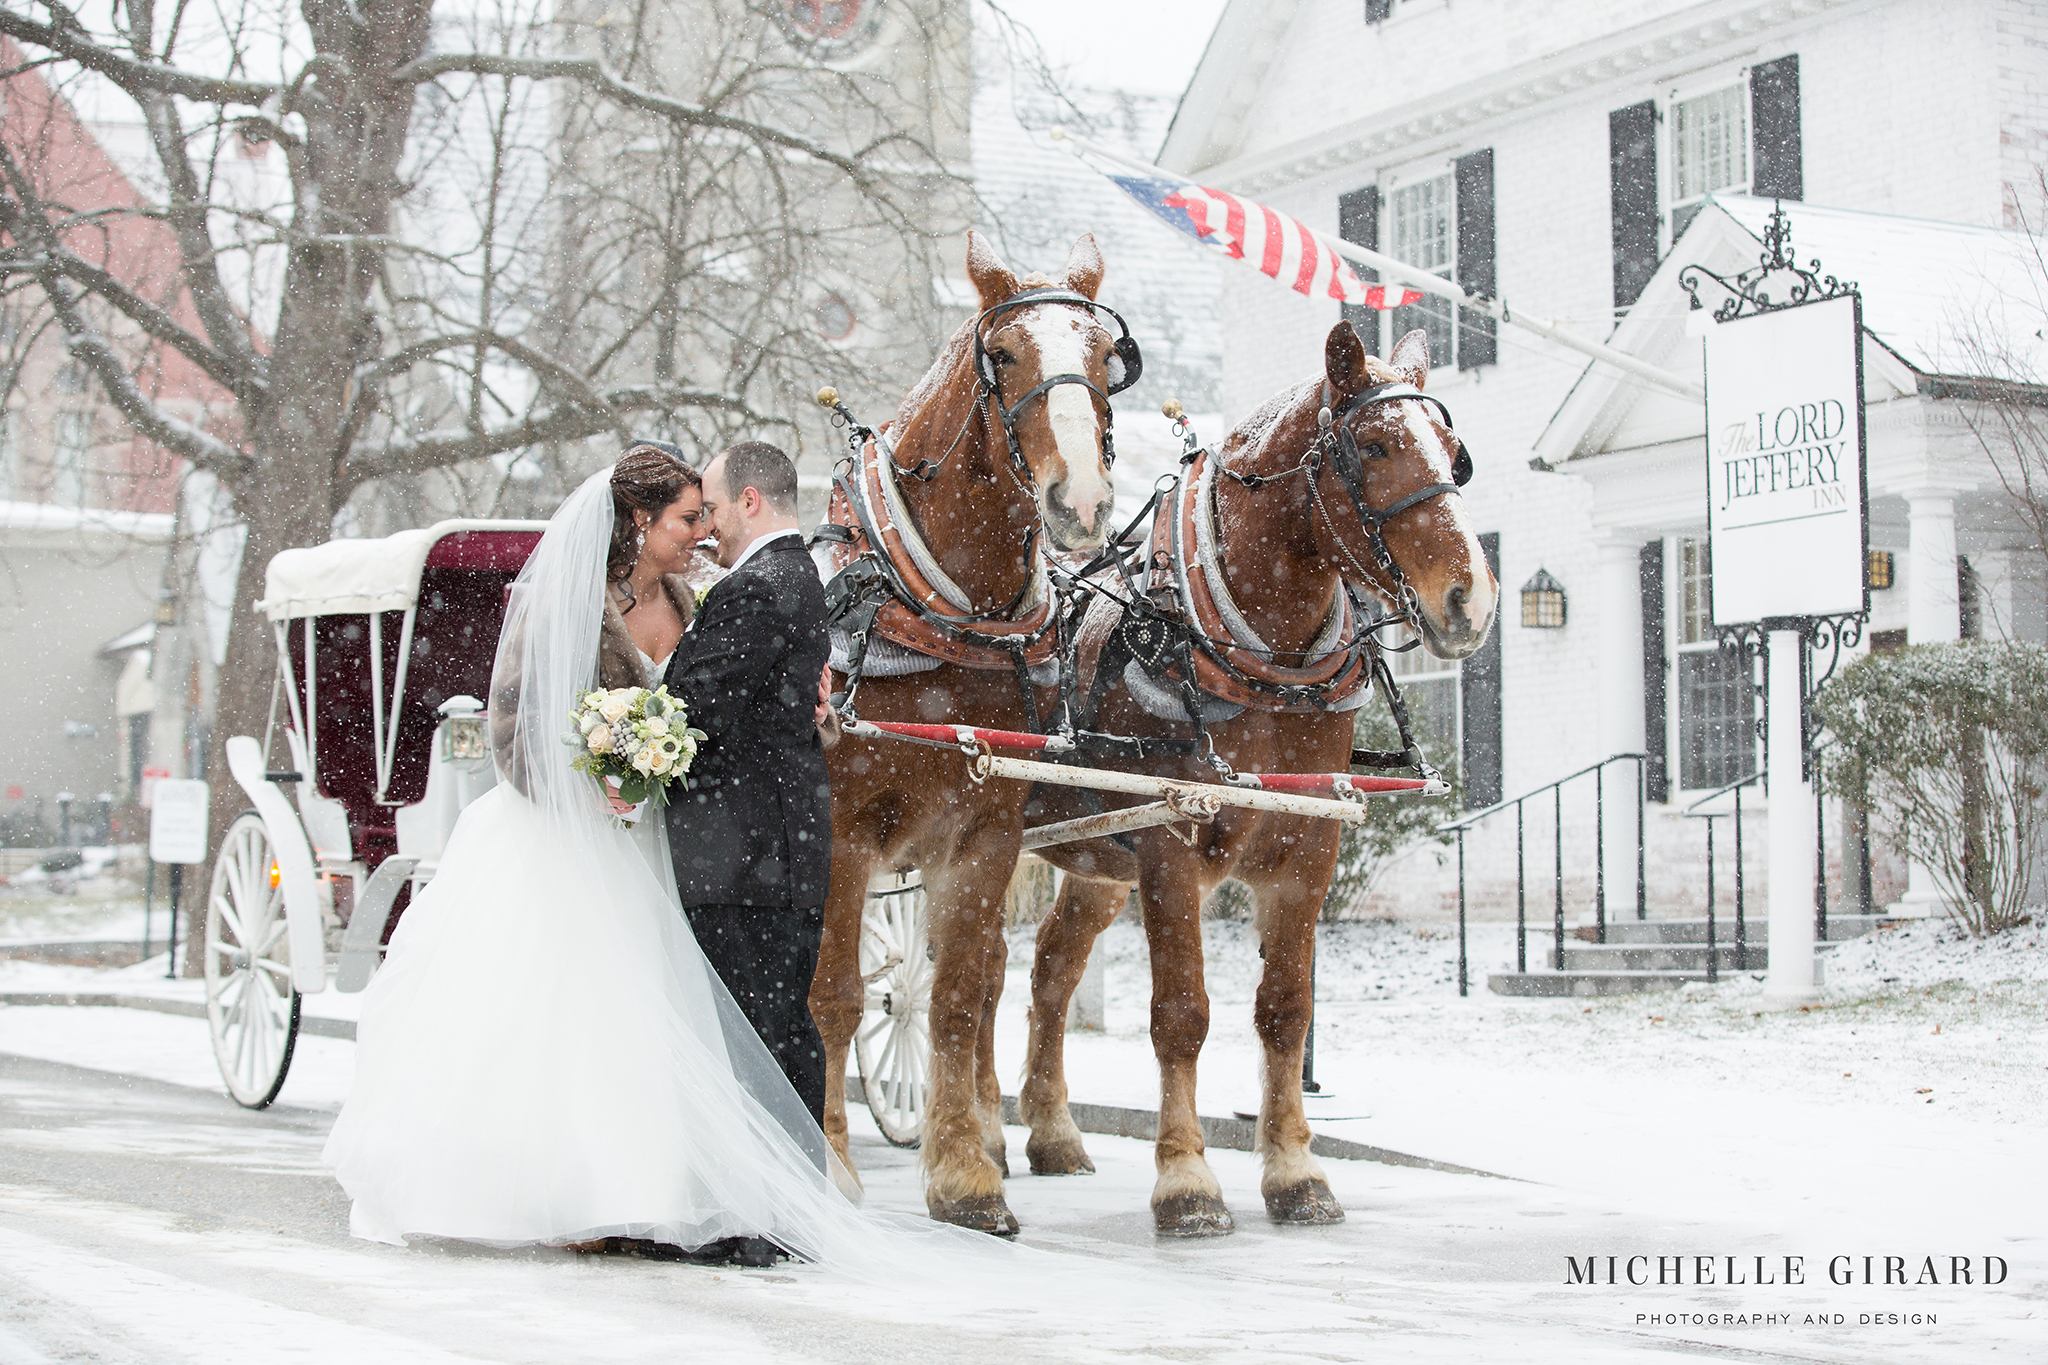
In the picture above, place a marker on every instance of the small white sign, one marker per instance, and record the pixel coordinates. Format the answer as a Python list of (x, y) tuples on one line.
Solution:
[(177, 821), (1785, 481)]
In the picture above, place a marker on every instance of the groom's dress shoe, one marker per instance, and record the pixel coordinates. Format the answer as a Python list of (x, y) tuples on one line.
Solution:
[(755, 1252)]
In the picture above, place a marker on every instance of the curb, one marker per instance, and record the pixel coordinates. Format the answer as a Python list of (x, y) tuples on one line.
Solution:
[(1232, 1134), (312, 1025)]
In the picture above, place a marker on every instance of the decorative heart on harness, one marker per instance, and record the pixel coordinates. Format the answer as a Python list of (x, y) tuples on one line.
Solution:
[(1147, 638)]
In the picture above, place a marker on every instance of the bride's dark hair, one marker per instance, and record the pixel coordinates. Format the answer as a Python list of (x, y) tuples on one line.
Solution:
[(647, 478)]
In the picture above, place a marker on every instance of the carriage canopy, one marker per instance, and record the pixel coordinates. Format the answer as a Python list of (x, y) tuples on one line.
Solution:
[(355, 577)]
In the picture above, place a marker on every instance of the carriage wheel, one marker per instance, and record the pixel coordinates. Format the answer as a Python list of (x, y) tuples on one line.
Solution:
[(251, 1007), (893, 1046)]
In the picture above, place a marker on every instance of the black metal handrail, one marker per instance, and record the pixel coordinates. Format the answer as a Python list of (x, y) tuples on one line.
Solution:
[(1556, 790), (1693, 812)]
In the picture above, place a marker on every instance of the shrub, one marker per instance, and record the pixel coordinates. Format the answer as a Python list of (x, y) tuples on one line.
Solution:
[(1947, 746), (1393, 825)]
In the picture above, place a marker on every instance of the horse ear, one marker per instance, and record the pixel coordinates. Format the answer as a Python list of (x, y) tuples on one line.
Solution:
[(992, 280), (1344, 358), (1410, 358), (1084, 266)]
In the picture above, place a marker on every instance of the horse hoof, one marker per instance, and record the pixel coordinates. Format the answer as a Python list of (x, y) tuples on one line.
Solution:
[(1058, 1158), (988, 1213), (1192, 1215), (1308, 1203)]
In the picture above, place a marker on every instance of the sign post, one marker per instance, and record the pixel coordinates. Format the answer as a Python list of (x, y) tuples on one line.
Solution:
[(177, 835), (1788, 532)]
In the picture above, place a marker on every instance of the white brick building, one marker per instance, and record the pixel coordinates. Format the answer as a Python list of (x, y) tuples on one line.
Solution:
[(1549, 154)]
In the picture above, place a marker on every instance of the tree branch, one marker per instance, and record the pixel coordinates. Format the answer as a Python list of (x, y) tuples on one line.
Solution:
[(570, 422), (75, 44), (186, 216), (590, 70), (153, 319), (85, 342)]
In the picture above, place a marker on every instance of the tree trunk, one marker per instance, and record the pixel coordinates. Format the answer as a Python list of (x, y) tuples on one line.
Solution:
[(357, 124)]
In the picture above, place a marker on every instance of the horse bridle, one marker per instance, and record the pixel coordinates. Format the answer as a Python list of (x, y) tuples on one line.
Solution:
[(1124, 350), (1339, 445)]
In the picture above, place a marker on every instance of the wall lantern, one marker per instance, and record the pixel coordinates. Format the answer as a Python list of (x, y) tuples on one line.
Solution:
[(1543, 602), (1880, 571)]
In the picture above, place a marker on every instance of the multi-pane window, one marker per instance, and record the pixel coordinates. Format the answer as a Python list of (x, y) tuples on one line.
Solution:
[(1430, 687), (1709, 149), (10, 455), (1422, 231), (1716, 719), (70, 444)]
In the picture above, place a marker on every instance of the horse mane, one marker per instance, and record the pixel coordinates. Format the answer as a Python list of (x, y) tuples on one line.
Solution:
[(1259, 425), (926, 389)]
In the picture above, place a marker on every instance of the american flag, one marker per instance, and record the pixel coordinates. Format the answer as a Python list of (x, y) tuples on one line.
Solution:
[(1280, 247)]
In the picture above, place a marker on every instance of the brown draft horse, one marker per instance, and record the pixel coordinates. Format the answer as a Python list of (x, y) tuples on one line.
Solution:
[(896, 806), (1284, 552)]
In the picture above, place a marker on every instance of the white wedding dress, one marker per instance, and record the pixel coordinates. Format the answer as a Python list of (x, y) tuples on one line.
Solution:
[(545, 1055)]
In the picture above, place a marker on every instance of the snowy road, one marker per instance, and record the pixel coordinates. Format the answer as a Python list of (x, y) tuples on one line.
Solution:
[(143, 1220)]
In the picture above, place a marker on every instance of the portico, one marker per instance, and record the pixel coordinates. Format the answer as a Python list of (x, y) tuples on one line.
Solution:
[(1937, 503)]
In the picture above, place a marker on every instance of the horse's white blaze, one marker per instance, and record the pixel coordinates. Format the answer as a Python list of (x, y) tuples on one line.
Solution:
[(1070, 409), (1479, 589)]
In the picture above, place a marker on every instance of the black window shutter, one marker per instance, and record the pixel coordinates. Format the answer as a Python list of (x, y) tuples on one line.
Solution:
[(1650, 572), (1632, 197), (1477, 344), (1479, 694), (1774, 130), (1358, 222), (1375, 12)]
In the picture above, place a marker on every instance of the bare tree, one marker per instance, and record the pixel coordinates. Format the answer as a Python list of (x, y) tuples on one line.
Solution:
[(496, 234)]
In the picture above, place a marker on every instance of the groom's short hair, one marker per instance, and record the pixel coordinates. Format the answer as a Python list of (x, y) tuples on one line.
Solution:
[(763, 468)]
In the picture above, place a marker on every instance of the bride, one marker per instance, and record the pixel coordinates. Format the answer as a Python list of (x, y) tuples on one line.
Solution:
[(545, 1056)]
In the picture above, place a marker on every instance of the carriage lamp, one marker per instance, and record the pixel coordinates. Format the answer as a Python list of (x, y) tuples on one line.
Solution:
[(463, 736), (1543, 602), (276, 874), (1879, 573)]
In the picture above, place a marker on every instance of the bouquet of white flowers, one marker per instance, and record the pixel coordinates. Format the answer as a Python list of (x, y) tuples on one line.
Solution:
[(640, 737)]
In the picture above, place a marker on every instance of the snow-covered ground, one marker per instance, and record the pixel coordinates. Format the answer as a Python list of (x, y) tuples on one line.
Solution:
[(102, 898), (1903, 1116)]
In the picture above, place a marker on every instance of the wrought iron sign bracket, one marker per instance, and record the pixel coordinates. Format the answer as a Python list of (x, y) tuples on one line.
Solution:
[(1747, 294)]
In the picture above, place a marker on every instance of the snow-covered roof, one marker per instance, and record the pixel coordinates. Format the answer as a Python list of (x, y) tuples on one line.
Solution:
[(346, 577), (1940, 299), (1167, 287), (1947, 298), (134, 638)]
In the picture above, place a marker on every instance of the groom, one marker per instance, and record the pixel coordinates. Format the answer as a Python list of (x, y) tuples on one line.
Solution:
[(752, 838)]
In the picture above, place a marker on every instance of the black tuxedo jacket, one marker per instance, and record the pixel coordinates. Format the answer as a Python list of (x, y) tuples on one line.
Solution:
[(755, 827)]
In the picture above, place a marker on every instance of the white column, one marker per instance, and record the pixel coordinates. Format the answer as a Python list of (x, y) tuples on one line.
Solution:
[(1933, 609), (1791, 827), (1933, 616), (1620, 721), (1621, 648)]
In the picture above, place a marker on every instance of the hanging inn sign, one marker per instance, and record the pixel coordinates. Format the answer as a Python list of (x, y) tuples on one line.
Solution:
[(1788, 533), (1786, 494)]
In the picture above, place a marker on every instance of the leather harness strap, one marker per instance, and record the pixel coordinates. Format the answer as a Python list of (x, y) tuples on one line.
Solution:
[(914, 613)]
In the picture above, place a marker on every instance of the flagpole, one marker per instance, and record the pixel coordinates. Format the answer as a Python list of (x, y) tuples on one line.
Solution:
[(1401, 272)]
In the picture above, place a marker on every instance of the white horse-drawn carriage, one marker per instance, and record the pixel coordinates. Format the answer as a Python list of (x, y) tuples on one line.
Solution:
[(377, 740)]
